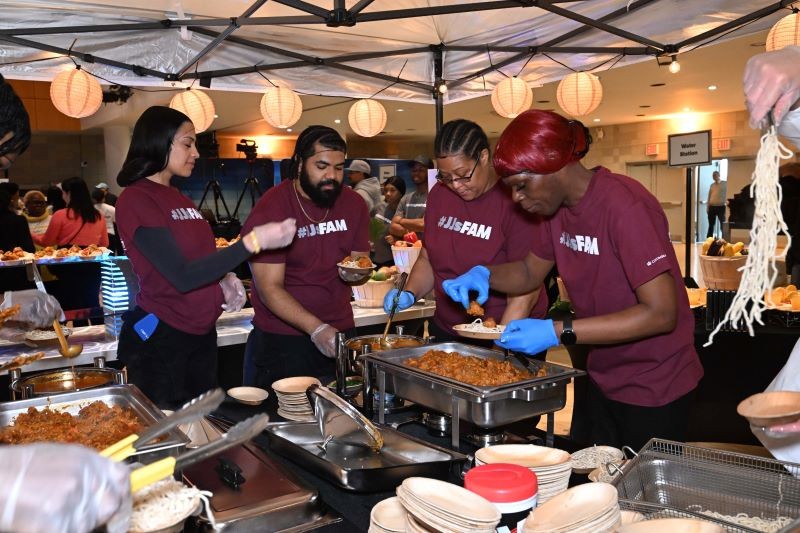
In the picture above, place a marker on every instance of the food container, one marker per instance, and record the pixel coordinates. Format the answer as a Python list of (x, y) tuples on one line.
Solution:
[(405, 257), (353, 349), (513, 489), (371, 293), (722, 273), (65, 380)]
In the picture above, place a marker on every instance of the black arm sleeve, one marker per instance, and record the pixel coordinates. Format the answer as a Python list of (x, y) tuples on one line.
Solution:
[(159, 247)]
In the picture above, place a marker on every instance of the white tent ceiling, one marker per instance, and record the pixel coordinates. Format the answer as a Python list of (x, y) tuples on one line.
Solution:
[(290, 42)]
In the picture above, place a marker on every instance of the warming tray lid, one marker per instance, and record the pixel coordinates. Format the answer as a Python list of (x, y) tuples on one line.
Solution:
[(341, 422), (394, 360)]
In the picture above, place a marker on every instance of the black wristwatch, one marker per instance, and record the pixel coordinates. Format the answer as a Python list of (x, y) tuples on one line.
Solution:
[(568, 337)]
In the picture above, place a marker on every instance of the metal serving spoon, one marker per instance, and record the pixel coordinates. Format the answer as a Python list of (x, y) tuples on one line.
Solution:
[(401, 284), (63, 348)]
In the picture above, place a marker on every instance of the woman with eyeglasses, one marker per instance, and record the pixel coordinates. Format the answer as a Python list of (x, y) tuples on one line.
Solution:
[(469, 219), (610, 239)]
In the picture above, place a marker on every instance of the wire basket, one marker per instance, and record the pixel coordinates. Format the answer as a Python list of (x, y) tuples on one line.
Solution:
[(692, 479)]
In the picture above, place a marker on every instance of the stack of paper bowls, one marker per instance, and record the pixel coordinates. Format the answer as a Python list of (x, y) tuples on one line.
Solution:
[(293, 402), (388, 516), (590, 508), (551, 466), (434, 505)]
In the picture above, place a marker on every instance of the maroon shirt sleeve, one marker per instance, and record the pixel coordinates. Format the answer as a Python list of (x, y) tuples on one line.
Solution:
[(641, 246)]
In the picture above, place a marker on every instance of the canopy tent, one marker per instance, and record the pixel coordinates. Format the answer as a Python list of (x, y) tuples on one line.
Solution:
[(402, 49)]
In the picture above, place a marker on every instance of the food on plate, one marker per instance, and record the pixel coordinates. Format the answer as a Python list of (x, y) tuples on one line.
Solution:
[(475, 309), (97, 425), (14, 255), (784, 298), (21, 360), (489, 322), (45, 334), (360, 261), (375, 343), (384, 273), (162, 505), (47, 251), (471, 369), (91, 251), (7, 314)]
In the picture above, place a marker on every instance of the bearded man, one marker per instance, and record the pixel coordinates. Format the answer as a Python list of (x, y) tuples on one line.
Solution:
[(299, 300)]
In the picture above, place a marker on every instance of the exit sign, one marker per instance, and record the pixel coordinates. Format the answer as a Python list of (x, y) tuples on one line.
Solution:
[(723, 144), (651, 149)]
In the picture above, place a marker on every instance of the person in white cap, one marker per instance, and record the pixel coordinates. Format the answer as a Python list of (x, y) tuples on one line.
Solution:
[(110, 197), (368, 187)]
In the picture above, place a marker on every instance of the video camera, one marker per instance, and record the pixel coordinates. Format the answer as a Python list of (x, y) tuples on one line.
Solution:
[(248, 147)]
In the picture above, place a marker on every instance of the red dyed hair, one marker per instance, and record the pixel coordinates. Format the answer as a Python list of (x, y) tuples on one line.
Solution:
[(541, 142)]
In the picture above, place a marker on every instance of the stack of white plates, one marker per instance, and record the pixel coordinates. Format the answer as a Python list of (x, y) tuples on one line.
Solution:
[(388, 516), (551, 466), (590, 508), (293, 402), (434, 505)]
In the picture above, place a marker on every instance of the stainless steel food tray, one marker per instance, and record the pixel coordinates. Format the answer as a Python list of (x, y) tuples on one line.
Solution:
[(690, 478), (358, 468), (122, 395), (483, 406)]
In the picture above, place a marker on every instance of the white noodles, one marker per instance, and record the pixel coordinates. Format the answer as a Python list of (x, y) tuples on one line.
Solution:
[(165, 503), (768, 525), (760, 271), (477, 325)]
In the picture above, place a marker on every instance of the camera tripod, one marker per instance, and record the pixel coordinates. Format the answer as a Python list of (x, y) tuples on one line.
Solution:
[(251, 185), (216, 190)]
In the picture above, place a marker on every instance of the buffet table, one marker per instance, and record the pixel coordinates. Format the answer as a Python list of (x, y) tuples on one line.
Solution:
[(232, 329)]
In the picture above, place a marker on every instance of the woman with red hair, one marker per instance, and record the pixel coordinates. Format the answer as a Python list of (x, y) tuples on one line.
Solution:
[(610, 239)]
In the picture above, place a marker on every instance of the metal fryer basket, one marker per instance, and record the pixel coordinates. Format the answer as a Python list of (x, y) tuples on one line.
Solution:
[(690, 478), (653, 511)]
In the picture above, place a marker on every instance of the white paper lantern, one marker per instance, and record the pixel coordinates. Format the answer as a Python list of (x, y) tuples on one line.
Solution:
[(196, 105), (281, 107), (367, 117), (511, 97), (76, 93), (785, 32), (579, 93)]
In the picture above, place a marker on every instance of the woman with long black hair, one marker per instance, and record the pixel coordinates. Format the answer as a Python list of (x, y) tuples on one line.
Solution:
[(79, 223), (169, 341)]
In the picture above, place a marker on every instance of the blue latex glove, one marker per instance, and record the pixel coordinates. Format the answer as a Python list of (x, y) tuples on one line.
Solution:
[(405, 301), (528, 335), (475, 279)]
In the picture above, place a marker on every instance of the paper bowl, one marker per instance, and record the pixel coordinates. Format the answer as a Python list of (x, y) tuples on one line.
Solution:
[(771, 408), (295, 385), (248, 395)]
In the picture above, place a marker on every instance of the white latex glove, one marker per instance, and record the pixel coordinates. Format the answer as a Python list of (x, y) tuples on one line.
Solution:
[(324, 338), (62, 488), (233, 292), (276, 234), (36, 308), (772, 81)]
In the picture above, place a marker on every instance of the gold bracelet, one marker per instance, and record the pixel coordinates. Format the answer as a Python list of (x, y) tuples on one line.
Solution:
[(254, 242)]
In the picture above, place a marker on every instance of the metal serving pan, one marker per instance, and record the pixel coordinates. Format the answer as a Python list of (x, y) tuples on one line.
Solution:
[(122, 395), (483, 406), (358, 468)]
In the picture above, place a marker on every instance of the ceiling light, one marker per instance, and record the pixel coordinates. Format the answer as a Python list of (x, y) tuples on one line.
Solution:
[(784, 33), (281, 107), (367, 117), (76, 93), (216, 116), (511, 97), (597, 120), (686, 109), (337, 121), (289, 130), (712, 87), (674, 66), (400, 110), (579, 93), (196, 105), (442, 88)]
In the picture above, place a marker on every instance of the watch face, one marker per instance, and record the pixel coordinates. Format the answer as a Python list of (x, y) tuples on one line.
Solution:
[(568, 337)]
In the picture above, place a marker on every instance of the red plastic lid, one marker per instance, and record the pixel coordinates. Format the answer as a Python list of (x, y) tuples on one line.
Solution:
[(502, 482)]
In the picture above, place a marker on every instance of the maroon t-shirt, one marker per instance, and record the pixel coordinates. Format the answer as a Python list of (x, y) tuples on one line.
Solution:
[(615, 240), (311, 274), (149, 204), (489, 230)]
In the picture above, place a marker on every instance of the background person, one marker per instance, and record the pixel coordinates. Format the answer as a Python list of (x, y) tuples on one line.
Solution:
[(15, 126), (393, 190), (109, 197), (410, 213), (610, 239), (169, 341), (715, 208), (109, 214), (79, 224), (368, 187), (299, 301), (469, 218), (37, 213), (13, 227)]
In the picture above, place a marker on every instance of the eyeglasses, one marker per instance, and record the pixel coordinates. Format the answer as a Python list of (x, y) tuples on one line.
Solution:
[(449, 181)]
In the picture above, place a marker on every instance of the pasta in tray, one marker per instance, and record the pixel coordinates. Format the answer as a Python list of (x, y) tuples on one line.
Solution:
[(768, 525), (164, 504)]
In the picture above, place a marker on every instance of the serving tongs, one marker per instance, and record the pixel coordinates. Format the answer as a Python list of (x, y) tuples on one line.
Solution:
[(526, 363), (163, 468), (192, 410), (401, 284)]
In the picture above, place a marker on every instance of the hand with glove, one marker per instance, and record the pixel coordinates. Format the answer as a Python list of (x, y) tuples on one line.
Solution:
[(405, 300), (475, 279), (772, 82), (36, 308), (528, 335), (324, 338), (62, 487), (270, 236), (233, 292)]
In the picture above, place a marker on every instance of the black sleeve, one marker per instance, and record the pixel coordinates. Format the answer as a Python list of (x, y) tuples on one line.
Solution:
[(23, 232), (159, 247)]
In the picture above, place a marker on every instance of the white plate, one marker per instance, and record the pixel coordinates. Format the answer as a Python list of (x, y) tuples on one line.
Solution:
[(527, 455), (295, 385), (248, 395), (469, 331), (389, 515), (452, 500), (577, 506)]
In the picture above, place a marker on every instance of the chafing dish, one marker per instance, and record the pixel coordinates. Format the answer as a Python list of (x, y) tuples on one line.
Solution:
[(128, 396), (64, 380), (359, 468), (485, 407)]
